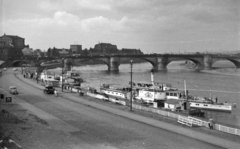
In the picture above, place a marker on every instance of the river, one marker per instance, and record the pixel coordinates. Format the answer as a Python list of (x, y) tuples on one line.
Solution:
[(223, 82)]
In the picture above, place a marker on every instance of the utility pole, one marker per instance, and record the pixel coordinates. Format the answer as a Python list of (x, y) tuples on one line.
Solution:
[(38, 67), (62, 72)]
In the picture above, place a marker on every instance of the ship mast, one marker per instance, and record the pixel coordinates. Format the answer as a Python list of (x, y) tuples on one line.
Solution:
[(152, 77), (185, 88)]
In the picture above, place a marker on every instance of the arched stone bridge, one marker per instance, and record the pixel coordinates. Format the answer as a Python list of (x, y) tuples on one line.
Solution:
[(158, 61)]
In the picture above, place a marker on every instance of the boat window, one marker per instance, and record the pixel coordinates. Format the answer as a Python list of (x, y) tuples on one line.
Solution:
[(167, 94), (171, 94), (175, 94)]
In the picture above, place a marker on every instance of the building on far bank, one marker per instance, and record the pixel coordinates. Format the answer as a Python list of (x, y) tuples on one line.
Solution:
[(126, 51), (75, 50), (55, 52), (29, 52), (104, 49), (11, 47)]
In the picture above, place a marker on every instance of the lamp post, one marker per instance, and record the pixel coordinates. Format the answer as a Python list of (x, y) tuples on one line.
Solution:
[(38, 69), (38, 65), (210, 93), (131, 63), (62, 72), (22, 65)]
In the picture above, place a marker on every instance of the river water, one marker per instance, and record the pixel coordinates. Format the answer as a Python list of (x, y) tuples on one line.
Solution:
[(223, 83)]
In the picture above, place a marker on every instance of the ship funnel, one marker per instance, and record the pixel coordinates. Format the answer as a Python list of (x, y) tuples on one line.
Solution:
[(152, 77)]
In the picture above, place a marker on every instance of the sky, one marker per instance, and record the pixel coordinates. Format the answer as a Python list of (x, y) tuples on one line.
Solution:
[(153, 26)]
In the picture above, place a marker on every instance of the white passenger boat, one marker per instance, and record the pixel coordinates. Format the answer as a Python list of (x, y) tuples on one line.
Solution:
[(155, 91), (157, 85), (115, 92), (211, 106), (150, 95)]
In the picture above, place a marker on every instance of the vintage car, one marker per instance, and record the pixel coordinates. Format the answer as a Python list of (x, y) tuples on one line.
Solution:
[(13, 90), (49, 90)]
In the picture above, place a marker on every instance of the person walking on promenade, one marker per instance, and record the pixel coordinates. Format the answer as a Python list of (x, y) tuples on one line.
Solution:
[(81, 93), (210, 123), (56, 93)]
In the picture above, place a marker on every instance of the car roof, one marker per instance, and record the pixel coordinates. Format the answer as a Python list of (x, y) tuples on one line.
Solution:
[(12, 87), (49, 86)]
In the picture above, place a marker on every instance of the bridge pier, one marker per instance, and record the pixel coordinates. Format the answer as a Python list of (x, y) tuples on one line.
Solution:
[(161, 64), (113, 64), (207, 62)]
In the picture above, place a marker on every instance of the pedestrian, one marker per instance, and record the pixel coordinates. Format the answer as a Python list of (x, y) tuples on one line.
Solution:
[(216, 100), (81, 93), (210, 123), (56, 93)]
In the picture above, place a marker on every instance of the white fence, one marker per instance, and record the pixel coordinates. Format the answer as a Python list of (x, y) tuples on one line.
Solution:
[(196, 121), (185, 120)]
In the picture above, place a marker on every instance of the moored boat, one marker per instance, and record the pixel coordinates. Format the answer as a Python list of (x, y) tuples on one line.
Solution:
[(115, 92), (211, 106), (155, 91), (150, 95)]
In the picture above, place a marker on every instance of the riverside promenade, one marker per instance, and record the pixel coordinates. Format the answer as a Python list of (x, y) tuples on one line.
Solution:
[(131, 115)]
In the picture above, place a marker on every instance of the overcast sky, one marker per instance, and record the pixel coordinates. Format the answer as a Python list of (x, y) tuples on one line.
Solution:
[(153, 26)]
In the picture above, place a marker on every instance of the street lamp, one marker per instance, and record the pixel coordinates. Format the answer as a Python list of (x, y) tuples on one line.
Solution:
[(22, 64), (62, 72), (131, 63), (38, 67)]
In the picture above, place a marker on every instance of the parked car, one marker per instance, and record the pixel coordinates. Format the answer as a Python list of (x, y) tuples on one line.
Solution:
[(49, 90), (13, 90), (4, 69), (15, 69)]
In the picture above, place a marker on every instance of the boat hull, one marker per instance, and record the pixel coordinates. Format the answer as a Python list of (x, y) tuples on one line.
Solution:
[(212, 107), (114, 93)]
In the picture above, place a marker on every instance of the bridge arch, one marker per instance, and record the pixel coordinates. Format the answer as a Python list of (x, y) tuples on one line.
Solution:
[(154, 64), (77, 61), (235, 62), (18, 63), (197, 62)]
